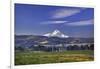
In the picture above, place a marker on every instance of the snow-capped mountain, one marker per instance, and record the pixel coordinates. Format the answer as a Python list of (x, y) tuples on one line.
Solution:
[(56, 33)]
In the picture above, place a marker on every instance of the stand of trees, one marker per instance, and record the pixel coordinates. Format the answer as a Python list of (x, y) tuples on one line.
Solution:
[(53, 48)]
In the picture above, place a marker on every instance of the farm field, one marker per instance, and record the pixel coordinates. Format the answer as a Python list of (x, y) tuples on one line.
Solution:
[(39, 57)]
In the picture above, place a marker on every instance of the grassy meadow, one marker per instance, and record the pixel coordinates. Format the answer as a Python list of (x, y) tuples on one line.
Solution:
[(26, 58)]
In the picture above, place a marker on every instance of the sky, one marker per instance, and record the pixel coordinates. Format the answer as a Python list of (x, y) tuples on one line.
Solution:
[(31, 19)]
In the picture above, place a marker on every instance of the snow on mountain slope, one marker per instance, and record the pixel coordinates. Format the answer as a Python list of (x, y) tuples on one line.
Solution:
[(56, 33)]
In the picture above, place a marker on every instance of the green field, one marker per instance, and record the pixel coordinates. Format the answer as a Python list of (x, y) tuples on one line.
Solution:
[(25, 58)]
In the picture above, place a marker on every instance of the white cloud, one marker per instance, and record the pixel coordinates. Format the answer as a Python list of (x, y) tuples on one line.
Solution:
[(81, 23), (54, 22), (61, 13)]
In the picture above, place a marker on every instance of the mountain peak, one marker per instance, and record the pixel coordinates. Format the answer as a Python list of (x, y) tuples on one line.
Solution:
[(56, 33)]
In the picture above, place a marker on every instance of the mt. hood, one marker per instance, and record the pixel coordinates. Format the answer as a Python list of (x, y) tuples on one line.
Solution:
[(56, 33)]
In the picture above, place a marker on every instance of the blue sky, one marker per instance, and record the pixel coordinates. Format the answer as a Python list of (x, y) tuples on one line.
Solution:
[(41, 19)]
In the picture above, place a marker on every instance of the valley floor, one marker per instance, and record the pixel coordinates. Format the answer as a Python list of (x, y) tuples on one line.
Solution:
[(34, 57)]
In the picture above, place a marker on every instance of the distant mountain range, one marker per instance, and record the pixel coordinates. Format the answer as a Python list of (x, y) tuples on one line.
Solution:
[(31, 40)]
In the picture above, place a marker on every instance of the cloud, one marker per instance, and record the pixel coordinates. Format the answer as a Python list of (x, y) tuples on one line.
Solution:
[(54, 22), (61, 13), (81, 23), (78, 23)]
